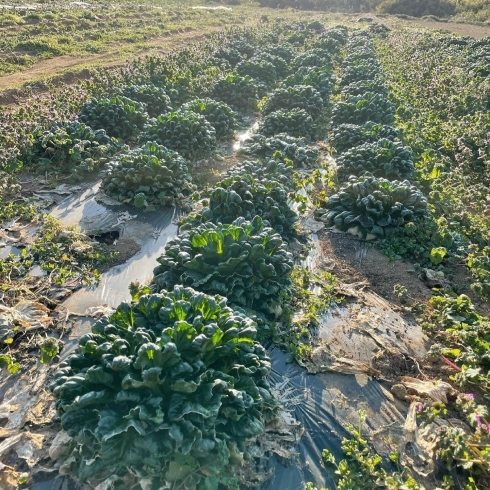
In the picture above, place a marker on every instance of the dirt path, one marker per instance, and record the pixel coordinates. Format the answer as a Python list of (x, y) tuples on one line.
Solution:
[(10, 90), (463, 29)]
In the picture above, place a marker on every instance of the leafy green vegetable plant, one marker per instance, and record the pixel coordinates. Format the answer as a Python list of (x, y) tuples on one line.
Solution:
[(294, 122), (72, 147), (218, 114), (346, 136), (186, 132), (156, 100), (168, 392), (246, 197), (272, 170), (150, 175), (258, 69), (246, 261), (297, 97), (320, 78), (359, 109), (119, 116), (384, 158), (372, 204), (236, 91), (289, 147), (315, 57)]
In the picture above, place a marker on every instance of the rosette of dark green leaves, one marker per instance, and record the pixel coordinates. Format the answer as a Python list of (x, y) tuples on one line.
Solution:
[(156, 100), (71, 147), (296, 122), (360, 88), (359, 109), (313, 57), (246, 261), (358, 72), (165, 393), (273, 170), (280, 64), (243, 47), (347, 136), (297, 97), (291, 148), (284, 51), (220, 115), (259, 69), (364, 53), (236, 91), (372, 204), (383, 158), (186, 132), (247, 197), (119, 116), (326, 42), (230, 55), (321, 79), (150, 175)]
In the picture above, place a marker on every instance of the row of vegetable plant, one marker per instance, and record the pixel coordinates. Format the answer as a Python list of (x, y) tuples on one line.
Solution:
[(369, 155), (172, 390)]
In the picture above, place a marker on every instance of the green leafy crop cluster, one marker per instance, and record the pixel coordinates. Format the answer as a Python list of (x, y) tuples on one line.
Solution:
[(369, 152), (359, 109), (166, 391), (280, 64), (235, 90), (320, 78), (258, 69), (291, 148), (149, 175), (281, 50), (218, 114), (383, 158), (171, 390), (271, 170), (363, 86), (72, 147), (298, 97), (294, 122), (246, 196), (118, 116), (372, 204), (347, 136), (314, 57), (246, 261), (155, 99), (186, 132)]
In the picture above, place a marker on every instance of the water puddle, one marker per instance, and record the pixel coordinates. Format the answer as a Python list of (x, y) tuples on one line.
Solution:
[(8, 249), (244, 135), (152, 233)]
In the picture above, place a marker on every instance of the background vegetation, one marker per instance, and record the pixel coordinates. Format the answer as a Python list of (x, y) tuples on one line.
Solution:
[(465, 9)]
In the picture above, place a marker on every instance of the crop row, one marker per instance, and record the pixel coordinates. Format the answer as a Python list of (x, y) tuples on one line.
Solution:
[(172, 390), (370, 155)]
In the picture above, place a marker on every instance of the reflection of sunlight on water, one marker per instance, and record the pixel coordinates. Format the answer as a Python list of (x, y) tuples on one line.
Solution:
[(244, 135)]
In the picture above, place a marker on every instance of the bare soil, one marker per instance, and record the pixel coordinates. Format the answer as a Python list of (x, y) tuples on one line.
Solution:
[(11, 95), (354, 262)]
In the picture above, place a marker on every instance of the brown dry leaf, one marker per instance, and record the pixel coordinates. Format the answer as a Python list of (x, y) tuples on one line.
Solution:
[(435, 390)]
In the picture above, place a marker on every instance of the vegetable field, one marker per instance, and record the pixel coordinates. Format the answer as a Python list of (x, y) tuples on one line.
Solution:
[(258, 261)]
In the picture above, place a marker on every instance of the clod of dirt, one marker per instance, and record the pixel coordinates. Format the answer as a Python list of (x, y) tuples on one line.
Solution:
[(393, 364), (399, 391), (437, 391), (434, 279)]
